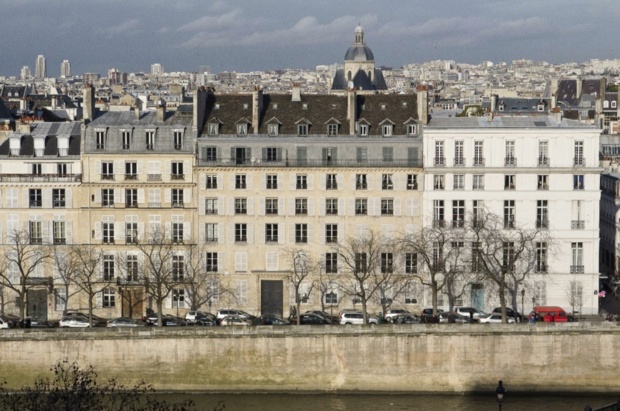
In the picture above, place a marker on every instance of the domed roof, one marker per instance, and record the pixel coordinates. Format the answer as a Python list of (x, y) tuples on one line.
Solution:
[(359, 52)]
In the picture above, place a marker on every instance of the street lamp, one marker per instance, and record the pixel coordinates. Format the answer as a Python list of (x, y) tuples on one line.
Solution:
[(523, 301), (500, 391)]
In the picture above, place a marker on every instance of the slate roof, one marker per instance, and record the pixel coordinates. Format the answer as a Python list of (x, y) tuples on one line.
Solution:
[(505, 122), (317, 110), (118, 118), (360, 81), (49, 131), (5, 113), (522, 105)]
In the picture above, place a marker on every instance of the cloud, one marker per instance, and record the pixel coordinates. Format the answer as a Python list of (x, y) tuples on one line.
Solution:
[(127, 26)]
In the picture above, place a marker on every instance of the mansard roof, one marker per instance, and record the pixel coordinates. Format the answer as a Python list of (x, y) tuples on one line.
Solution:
[(50, 132)]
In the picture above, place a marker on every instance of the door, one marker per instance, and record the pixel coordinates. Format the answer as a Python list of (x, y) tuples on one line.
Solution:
[(37, 304), (477, 296), (132, 302), (240, 155), (271, 297)]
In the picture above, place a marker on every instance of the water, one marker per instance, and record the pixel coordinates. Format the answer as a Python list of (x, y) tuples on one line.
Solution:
[(393, 402)]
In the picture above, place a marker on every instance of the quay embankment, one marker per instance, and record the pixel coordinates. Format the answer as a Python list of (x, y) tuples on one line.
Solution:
[(570, 357)]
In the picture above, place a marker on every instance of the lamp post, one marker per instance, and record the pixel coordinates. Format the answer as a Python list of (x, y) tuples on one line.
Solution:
[(500, 391), (523, 301)]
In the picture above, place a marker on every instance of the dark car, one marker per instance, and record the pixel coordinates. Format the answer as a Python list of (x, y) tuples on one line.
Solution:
[(200, 318), (11, 320), (40, 323), (518, 317), (428, 317), (124, 322), (309, 319), (272, 319), (166, 319), (332, 318), (405, 319)]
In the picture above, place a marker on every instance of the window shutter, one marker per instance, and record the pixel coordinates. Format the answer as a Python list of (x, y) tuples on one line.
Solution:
[(351, 207), (98, 168), (250, 233), (201, 206), (167, 195), (281, 206), (397, 206), (321, 206), (69, 197), (202, 181), (323, 233), (97, 196), (119, 231), (99, 300), (291, 206), (263, 181), (232, 182), (281, 233), (187, 196), (231, 234), (141, 233), (187, 232), (140, 196), (248, 180), (261, 206), (341, 210), (220, 206), (220, 233), (279, 154), (168, 301), (340, 181), (311, 206), (310, 181), (231, 206), (25, 198), (139, 168), (47, 197), (310, 233), (293, 182), (264, 157), (250, 204), (370, 181), (119, 169), (261, 236), (45, 232), (220, 181)]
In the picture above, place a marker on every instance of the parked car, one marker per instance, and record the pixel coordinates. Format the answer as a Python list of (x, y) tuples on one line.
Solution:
[(11, 320), (251, 318), (168, 320), (453, 318), (471, 312), (309, 319), (332, 318), (428, 317), (224, 312), (4, 324), (40, 323), (553, 314), (509, 313), (405, 319), (124, 322), (235, 320), (357, 317), (495, 319), (393, 312), (272, 319), (97, 321), (74, 321), (200, 318)]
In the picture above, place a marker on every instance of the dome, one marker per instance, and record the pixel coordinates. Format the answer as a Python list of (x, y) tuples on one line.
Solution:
[(359, 52)]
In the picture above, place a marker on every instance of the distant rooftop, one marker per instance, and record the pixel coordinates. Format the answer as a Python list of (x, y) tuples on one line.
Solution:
[(505, 122)]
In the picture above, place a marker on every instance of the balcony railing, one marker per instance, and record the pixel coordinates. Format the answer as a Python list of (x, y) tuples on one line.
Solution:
[(579, 161), (439, 161), (40, 178), (576, 269), (60, 241), (510, 161), (153, 177), (131, 176), (479, 161), (177, 176), (178, 204), (543, 161), (107, 176), (154, 205), (542, 223), (59, 203), (577, 224), (459, 161), (271, 211), (311, 163)]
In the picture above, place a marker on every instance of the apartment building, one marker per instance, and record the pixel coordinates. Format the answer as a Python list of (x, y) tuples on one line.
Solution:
[(534, 172)]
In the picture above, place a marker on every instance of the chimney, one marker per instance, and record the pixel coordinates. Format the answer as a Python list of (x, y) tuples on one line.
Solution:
[(54, 103), (578, 89), (493, 102), (618, 102), (422, 103), (296, 95), (257, 107), (351, 109), (88, 110), (200, 109), (136, 112), (161, 111)]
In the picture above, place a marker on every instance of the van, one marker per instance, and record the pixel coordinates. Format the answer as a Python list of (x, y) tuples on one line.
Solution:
[(551, 314)]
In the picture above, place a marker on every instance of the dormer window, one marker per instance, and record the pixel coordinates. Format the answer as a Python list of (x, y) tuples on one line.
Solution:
[(126, 139), (275, 106), (605, 104), (100, 140), (150, 140), (411, 130), (213, 129), (332, 129), (387, 130), (541, 107), (242, 129), (273, 129), (245, 106), (302, 130), (363, 130), (304, 106), (613, 104)]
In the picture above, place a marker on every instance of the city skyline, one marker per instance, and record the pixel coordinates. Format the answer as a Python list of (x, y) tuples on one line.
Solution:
[(248, 36)]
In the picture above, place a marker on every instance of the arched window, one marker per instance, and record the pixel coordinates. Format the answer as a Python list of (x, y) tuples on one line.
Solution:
[(605, 104), (349, 75), (370, 75), (613, 104)]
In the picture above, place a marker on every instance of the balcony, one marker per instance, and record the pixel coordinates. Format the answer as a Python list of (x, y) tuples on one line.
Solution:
[(459, 161), (153, 177), (177, 176), (577, 224), (271, 211), (478, 161), (60, 241), (36, 240), (211, 211), (107, 176), (131, 176), (178, 204), (294, 163), (542, 223), (301, 211), (29, 178), (439, 161), (331, 211), (131, 204), (543, 161), (579, 162), (107, 240), (240, 211), (439, 223), (271, 239), (510, 161), (107, 203), (576, 269)]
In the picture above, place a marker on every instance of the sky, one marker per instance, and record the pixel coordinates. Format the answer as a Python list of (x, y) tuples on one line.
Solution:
[(248, 35)]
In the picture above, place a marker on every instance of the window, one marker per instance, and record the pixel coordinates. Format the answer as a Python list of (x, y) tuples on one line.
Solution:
[(362, 155), (132, 268), (579, 158), (270, 154), (35, 198), (386, 130), (411, 263), (478, 182), (360, 262), (509, 214), (60, 232), (439, 160), (508, 256), (302, 130), (61, 169), (107, 197), (458, 213), (577, 216), (211, 233), (271, 206), (99, 140), (241, 206), (108, 298), (577, 258), (331, 206), (541, 257), (302, 182), (271, 233), (131, 197), (301, 233), (211, 181), (331, 263), (131, 232), (107, 170), (108, 267), (131, 170), (459, 182), (387, 206), (387, 263), (240, 181), (177, 197), (543, 153), (479, 153), (458, 153), (510, 182), (242, 129), (178, 140), (177, 171), (36, 235), (478, 213), (412, 181), (362, 130), (388, 154), (58, 197), (177, 232), (36, 169), (213, 129), (272, 181), (272, 129), (476, 259), (126, 140), (543, 182), (578, 182), (439, 181), (178, 298), (301, 206), (510, 159), (211, 262), (331, 297), (241, 233), (361, 206), (331, 233), (542, 214), (210, 154), (386, 182), (331, 182), (438, 213), (329, 155), (360, 182), (211, 206), (178, 268), (332, 129), (150, 140), (107, 232)]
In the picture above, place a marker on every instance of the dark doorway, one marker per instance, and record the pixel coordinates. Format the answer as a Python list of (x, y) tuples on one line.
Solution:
[(37, 304), (240, 155), (271, 297), (132, 304)]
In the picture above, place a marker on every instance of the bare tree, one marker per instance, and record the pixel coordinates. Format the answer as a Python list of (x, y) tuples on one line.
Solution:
[(326, 285), (303, 269), (202, 279), (65, 266), (23, 264), (88, 275), (574, 292), (366, 266), (508, 254)]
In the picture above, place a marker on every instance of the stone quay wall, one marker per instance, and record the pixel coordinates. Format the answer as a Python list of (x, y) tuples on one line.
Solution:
[(571, 357)]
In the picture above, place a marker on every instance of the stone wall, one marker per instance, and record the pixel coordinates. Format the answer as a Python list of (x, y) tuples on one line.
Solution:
[(575, 357)]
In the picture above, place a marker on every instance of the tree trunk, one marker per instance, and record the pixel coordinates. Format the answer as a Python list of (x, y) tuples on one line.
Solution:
[(297, 308), (364, 313), (160, 304), (502, 300)]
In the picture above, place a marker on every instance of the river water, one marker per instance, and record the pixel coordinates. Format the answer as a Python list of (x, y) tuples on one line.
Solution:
[(393, 402)]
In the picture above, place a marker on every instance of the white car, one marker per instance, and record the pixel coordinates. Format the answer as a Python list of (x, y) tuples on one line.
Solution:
[(356, 317), (393, 312), (475, 313), (74, 322), (494, 319)]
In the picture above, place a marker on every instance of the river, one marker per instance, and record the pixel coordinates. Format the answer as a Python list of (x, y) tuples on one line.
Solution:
[(393, 402)]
